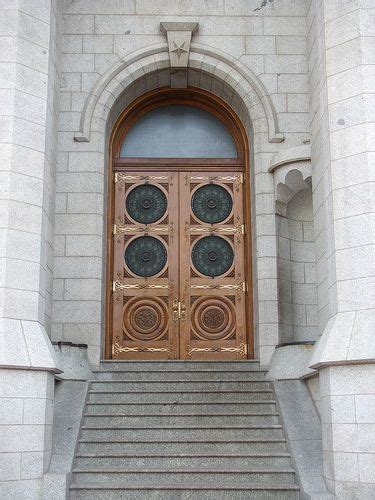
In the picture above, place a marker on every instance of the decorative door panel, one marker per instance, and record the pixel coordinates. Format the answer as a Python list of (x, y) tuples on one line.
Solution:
[(212, 270), (145, 266), (179, 274)]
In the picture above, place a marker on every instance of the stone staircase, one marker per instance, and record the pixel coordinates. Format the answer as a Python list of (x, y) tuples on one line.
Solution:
[(181, 430)]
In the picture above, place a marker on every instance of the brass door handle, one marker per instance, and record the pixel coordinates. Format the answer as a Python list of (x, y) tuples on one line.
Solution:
[(176, 310), (179, 310), (183, 310)]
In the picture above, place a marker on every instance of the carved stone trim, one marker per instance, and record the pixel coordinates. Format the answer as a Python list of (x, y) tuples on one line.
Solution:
[(179, 40), (291, 169), (290, 155), (124, 72)]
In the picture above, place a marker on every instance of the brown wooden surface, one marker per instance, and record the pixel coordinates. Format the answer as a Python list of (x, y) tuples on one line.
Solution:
[(179, 167), (135, 308), (191, 297), (201, 335)]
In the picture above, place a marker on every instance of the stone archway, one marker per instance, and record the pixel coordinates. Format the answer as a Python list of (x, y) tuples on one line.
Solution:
[(233, 82)]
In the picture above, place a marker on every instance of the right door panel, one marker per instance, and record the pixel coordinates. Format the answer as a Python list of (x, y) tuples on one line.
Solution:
[(212, 266)]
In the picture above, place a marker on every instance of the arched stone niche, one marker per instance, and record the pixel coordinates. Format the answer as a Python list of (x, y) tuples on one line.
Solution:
[(296, 262)]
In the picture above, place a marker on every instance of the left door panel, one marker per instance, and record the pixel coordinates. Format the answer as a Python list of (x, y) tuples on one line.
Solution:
[(145, 266)]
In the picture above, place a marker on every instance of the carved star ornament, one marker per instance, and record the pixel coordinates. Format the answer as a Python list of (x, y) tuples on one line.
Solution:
[(179, 49)]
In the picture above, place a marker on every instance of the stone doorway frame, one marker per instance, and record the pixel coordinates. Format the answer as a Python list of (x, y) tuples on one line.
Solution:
[(237, 86), (202, 99)]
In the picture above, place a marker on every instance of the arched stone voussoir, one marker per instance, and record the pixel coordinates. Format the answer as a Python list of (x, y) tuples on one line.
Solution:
[(219, 65)]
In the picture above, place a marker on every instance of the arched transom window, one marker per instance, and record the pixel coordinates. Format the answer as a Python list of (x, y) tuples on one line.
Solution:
[(178, 131)]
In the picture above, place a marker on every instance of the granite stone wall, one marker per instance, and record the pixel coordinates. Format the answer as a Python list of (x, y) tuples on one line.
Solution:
[(29, 90), (267, 41)]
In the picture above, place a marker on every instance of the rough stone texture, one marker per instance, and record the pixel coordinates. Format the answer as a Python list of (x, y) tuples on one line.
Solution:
[(290, 69), (29, 61), (236, 30), (348, 430), (303, 431), (290, 361), (177, 443), (29, 89), (26, 402), (69, 402), (298, 310), (74, 362), (342, 136)]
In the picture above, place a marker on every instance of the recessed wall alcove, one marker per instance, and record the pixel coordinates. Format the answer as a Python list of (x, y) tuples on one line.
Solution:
[(245, 94)]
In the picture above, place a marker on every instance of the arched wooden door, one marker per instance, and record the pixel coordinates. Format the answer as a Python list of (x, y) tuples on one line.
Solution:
[(179, 239)]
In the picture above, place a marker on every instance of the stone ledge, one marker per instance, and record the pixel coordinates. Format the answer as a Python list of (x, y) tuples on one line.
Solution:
[(347, 339), (290, 155), (290, 361), (73, 359), (24, 345)]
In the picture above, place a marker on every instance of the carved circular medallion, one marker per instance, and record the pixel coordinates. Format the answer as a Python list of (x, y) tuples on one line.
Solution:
[(145, 318), (211, 203), (213, 318), (212, 256), (145, 256), (146, 203)]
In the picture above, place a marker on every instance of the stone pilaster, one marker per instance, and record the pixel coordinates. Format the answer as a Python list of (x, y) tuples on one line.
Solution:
[(29, 63), (341, 70)]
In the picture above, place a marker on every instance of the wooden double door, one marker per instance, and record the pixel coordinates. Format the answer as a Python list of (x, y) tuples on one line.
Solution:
[(179, 287)]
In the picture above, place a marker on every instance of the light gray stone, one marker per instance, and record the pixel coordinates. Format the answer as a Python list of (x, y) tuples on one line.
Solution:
[(32, 465), (97, 44), (84, 246), (276, 103), (299, 414), (290, 362), (74, 361), (10, 466)]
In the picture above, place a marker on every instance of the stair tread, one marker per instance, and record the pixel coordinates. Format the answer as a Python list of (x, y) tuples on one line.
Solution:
[(152, 403), (108, 455), (179, 427), (171, 370), (183, 455), (229, 440), (181, 486), (190, 470), (185, 391), (270, 414), (180, 381)]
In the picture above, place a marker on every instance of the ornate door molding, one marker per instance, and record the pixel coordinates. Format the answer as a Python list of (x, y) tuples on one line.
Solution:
[(178, 275), (179, 256), (212, 283), (145, 268)]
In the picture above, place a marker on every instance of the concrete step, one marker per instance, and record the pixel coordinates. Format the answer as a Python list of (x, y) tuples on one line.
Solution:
[(180, 385), (181, 430), (183, 407), (174, 447), (182, 433), (176, 375), (187, 420), (186, 365), (177, 396), (124, 461), (198, 491), (188, 475)]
